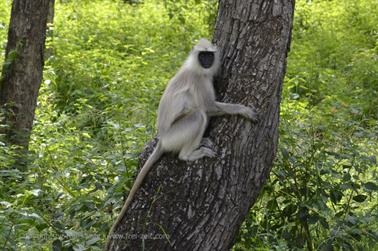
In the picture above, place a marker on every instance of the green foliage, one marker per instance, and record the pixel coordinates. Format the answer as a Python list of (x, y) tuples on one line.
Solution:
[(322, 191), (96, 109), (109, 65), (182, 11), (4, 16)]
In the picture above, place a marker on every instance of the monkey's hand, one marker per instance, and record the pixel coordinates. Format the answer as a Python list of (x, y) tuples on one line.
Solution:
[(233, 109), (249, 113)]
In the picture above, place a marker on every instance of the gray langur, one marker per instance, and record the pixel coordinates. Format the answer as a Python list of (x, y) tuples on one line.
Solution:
[(184, 111)]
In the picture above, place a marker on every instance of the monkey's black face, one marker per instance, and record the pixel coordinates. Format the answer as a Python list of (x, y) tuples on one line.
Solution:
[(206, 58)]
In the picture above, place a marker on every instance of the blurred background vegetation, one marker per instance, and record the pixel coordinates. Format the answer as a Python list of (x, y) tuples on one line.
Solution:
[(110, 61)]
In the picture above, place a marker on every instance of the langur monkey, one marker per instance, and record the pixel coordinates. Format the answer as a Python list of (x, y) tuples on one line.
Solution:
[(184, 111)]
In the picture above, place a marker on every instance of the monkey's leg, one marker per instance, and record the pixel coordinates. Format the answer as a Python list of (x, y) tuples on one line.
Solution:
[(184, 136), (195, 124)]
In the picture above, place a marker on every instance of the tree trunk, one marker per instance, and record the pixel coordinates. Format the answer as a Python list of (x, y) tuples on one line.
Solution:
[(50, 28), (22, 70), (51, 14), (200, 205)]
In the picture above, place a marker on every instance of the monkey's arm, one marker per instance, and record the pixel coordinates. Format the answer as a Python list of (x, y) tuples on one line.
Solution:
[(185, 110), (182, 105), (219, 109)]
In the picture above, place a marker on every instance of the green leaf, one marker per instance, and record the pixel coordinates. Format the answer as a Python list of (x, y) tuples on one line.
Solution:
[(339, 214), (93, 240), (79, 247), (328, 246), (324, 222), (335, 196), (370, 186), (72, 233), (57, 245), (359, 198), (352, 220), (272, 204), (313, 219), (289, 210), (303, 213), (347, 177)]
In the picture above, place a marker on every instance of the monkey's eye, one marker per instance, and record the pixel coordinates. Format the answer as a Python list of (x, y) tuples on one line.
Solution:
[(206, 58)]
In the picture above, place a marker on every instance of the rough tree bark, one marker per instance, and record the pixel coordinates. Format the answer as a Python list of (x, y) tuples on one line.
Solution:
[(22, 70), (201, 205)]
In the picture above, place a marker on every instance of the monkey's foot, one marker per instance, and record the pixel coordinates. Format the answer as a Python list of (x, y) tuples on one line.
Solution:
[(198, 154), (206, 142), (208, 152)]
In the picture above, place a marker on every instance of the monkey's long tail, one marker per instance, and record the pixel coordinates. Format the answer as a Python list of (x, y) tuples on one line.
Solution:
[(156, 154)]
